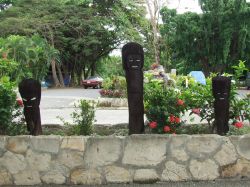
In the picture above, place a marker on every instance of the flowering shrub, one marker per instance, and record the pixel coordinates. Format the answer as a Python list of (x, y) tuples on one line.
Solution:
[(115, 87), (163, 107)]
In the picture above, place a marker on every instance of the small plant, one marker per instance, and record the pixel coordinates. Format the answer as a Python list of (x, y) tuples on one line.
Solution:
[(83, 119)]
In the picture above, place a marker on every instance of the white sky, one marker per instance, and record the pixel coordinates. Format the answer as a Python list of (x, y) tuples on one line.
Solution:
[(185, 6)]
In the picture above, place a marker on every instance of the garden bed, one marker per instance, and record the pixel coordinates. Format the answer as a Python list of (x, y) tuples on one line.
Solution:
[(112, 102), (27, 160)]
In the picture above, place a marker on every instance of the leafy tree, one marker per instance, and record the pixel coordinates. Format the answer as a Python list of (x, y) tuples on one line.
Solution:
[(83, 31)]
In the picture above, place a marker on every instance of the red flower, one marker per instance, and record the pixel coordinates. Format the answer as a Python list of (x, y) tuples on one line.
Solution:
[(196, 111), (180, 102), (238, 124), (19, 102), (177, 120), (166, 128), (171, 118), (153, 125)]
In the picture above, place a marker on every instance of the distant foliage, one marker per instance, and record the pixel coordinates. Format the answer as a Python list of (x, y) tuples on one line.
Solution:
[(110, 66), (212, 41)]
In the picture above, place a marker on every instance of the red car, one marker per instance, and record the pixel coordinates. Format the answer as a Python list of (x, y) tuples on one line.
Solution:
[(94, 81)]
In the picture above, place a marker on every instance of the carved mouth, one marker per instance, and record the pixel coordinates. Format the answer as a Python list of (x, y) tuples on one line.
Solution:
[(29, 106)]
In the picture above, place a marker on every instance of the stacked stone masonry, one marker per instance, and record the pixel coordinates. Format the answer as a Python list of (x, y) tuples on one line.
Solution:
[(27, 160)]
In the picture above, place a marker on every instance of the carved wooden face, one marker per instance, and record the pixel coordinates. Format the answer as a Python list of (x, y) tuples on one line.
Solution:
[(30, 100), (221, 88), (134, 61), (132, 56), (30, 91)]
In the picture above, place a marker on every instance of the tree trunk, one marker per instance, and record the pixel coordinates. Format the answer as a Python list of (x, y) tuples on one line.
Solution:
[(72, 81), (56, 81), (79, 77), (154, 11), (60, 75), (93, 69)]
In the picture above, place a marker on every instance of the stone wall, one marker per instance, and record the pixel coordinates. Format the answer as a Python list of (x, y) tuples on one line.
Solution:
[(27, 160)]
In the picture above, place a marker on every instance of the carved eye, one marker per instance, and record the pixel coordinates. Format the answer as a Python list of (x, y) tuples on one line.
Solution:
[(138, 60), (130, 60), (32, 99), (24, 99)]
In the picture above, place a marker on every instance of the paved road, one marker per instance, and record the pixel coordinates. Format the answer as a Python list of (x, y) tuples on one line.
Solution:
[(60, 102), (222, 183)]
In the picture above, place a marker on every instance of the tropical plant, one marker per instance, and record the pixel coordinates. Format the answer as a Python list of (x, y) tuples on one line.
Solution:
[(11, 118), (239, 71), (32, 54), (8, 68)]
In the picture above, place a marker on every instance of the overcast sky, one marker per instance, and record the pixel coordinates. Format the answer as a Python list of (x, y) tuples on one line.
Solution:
[(184, 5)]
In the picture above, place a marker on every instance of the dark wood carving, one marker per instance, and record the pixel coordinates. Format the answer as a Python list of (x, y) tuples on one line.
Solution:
[(30, 91), (133, 61), (221, 92)]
